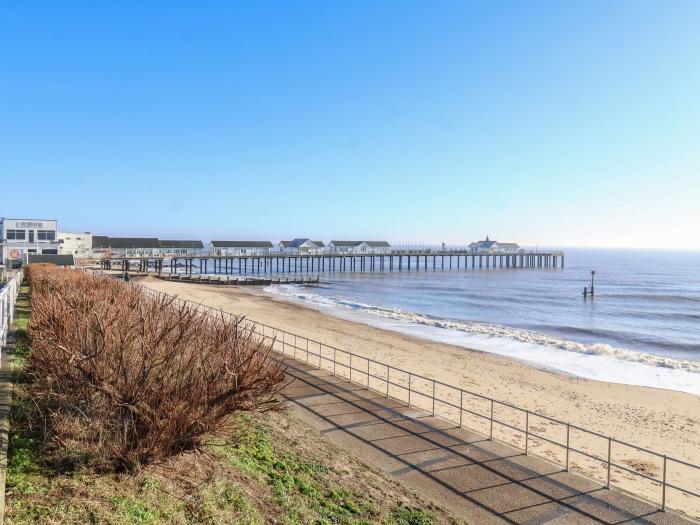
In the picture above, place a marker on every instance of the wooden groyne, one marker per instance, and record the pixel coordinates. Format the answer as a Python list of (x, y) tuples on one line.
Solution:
[(237, 281), (336, 262)]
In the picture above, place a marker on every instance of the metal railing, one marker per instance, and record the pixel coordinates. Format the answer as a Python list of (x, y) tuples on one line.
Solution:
[(8, 295), (498, 420)]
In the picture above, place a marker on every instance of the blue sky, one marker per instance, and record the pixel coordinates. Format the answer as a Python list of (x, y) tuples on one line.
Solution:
[(546, 123)]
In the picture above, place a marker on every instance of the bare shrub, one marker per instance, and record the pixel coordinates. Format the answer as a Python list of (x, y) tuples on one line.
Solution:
[(130, 379)]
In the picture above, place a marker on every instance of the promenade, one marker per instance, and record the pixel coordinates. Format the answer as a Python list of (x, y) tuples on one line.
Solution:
[(479, 480)]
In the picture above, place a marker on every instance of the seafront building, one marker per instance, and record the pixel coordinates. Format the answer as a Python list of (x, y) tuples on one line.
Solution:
[(125, 246), (359, 247), (487, 246), (224, 248), (301, 247), (21, 237), (100, 246), (171, 248), (79, 245)]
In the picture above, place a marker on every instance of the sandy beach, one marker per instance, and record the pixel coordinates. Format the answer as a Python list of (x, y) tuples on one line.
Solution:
[(661, 420)]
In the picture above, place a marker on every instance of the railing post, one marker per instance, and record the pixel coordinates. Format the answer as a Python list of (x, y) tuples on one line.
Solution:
[(491, 419), (433, 397), (351, 368), (307, 350), (409, 388), (609, 458), (387, 381), (334, 358), (367, 374), (663, 488), (527, 430), (568, 428)]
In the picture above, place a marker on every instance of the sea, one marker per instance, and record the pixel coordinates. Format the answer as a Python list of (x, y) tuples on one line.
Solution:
[(642, 326)]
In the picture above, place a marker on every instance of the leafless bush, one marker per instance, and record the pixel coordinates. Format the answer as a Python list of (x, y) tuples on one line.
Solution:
[(129, 379)]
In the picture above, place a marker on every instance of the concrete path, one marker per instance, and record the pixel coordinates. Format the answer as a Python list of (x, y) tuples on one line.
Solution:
[(481, 481)]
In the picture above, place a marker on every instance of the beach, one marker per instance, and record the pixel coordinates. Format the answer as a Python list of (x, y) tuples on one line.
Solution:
[(664, 421)]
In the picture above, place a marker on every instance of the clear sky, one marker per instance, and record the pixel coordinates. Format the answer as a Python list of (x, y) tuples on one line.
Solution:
[(548, 123)]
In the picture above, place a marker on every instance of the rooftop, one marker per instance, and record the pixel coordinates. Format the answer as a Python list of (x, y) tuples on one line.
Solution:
[(241, 244)]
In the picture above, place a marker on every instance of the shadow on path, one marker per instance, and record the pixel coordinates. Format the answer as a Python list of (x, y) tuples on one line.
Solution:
[(477, 479)]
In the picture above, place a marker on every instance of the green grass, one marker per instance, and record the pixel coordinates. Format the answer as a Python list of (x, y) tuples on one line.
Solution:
[(308, 491)]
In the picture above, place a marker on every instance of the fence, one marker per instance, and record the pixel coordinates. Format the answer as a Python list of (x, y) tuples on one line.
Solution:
[(670, 482), (8, 296)]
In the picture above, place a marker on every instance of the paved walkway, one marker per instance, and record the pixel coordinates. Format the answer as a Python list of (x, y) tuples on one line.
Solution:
[(481, 481)]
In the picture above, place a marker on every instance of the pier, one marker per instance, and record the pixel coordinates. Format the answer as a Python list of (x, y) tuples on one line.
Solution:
[(277, 263)]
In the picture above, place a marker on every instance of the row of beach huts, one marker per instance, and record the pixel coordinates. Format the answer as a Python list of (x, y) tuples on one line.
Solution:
[(153, 247)]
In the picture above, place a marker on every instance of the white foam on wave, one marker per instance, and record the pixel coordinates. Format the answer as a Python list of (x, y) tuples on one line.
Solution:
[(595, 361)]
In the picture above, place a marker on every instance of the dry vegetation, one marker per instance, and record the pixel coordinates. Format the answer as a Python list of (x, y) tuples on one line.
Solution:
[(135, 410), (128, 379)]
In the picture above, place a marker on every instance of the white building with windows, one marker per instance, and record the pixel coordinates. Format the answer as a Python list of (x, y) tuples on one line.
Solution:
[(20, 237), (301, 247), (343, 246), (240, 248), (487, 246), (126, 246), (359, 247), (79, 245), (170, 248), (374, 247)]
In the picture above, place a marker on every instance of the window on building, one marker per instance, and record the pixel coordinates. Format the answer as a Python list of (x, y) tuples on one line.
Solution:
[(46, 235), (16, 235)]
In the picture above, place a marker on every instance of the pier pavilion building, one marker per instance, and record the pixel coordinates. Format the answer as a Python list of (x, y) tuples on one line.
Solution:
[(125, 246), (359, 247), (234, 248), (487, 246), (170, 248), (301, 247)]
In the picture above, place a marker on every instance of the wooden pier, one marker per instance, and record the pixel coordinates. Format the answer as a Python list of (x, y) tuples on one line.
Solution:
[(332, 262)]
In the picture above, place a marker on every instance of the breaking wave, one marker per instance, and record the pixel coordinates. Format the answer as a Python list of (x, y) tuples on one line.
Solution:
[(302, 294)]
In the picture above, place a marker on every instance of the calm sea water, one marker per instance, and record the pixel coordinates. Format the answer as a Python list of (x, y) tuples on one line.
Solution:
[(642, 327)]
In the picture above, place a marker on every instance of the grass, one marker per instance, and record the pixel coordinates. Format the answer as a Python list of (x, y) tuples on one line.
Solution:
[(304, 488), (274, 470)]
